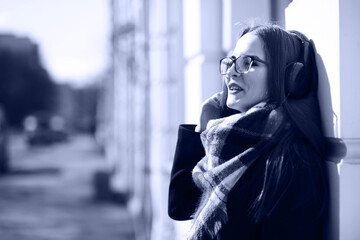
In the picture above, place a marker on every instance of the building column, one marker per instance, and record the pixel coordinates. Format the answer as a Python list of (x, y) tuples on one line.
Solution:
[(166, 104), (118, 151), (127, 145), (240, 13), (349, 36), (202, 52)]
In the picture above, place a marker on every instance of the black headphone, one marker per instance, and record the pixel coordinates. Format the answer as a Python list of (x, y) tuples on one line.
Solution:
[(297, 74)]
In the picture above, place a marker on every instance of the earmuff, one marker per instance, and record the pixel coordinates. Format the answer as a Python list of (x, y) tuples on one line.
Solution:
[(297, 74)]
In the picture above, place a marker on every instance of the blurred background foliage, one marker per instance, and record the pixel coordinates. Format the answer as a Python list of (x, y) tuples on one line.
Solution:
[(26, 88), (25, 85)]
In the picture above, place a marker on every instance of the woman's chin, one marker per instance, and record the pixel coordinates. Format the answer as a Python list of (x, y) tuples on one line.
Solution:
[(234, 105)]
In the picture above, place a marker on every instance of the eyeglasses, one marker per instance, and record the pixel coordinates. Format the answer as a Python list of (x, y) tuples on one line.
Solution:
[(243, 64)]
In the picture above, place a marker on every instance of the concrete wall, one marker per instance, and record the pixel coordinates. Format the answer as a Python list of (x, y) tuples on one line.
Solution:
[(166, 105)]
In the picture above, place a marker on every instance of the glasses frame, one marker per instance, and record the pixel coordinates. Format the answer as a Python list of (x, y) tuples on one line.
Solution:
[(234, 59)]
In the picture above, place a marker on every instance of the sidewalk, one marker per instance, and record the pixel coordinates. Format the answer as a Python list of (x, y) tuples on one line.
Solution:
[(50, 196)]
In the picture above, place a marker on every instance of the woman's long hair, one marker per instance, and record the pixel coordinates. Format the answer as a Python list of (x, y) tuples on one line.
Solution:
[(282, 48)]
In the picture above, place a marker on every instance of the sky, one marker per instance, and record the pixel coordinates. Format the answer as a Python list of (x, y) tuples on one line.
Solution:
[(73, 35)]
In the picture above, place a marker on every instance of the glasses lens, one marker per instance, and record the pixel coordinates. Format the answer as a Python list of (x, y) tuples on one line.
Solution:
[(243, 64), (225, 64)]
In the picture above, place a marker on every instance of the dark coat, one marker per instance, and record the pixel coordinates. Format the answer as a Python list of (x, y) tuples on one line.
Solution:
[(296, 216)]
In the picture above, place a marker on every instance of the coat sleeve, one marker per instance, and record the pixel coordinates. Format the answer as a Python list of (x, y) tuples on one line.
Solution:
[(183, 194)]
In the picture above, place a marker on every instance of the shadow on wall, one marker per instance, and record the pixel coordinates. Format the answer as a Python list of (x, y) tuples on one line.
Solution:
[(336, 149)]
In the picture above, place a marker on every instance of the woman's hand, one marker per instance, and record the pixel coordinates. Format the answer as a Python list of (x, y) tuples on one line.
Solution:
[(210, 109)]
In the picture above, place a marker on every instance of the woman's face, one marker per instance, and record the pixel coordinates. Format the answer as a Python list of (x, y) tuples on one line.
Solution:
[(247, 89)]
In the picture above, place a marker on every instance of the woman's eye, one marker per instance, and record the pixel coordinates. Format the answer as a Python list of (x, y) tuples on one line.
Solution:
[(229, 64), (247, 62)]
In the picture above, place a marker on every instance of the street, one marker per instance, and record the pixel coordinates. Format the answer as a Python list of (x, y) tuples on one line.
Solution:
[(50, 195)]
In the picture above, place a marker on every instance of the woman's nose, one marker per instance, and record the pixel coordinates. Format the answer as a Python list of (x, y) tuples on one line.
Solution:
[(231, 72)]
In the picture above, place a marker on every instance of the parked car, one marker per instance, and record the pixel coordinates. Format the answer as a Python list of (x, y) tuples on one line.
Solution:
[(44, 128)]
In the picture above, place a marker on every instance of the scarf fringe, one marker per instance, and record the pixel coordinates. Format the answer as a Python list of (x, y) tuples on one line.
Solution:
[(199, 230)]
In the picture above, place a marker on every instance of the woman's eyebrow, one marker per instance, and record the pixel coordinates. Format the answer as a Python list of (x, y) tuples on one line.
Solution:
[(256, 58)]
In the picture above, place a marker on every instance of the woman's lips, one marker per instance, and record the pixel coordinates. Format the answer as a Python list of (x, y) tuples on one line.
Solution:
[(234, 88)]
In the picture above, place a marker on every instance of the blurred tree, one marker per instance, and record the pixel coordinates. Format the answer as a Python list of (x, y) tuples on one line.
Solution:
[(25, 85)]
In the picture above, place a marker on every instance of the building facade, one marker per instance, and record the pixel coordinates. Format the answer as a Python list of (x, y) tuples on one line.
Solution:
[(165, 55)]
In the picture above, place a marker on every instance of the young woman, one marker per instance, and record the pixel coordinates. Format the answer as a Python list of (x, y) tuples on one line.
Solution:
[(253, 168)]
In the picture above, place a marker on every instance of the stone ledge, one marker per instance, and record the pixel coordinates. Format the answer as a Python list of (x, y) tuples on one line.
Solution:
[(353, 151)]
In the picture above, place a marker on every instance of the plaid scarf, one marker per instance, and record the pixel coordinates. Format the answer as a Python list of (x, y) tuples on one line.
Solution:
[(231, 144)]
